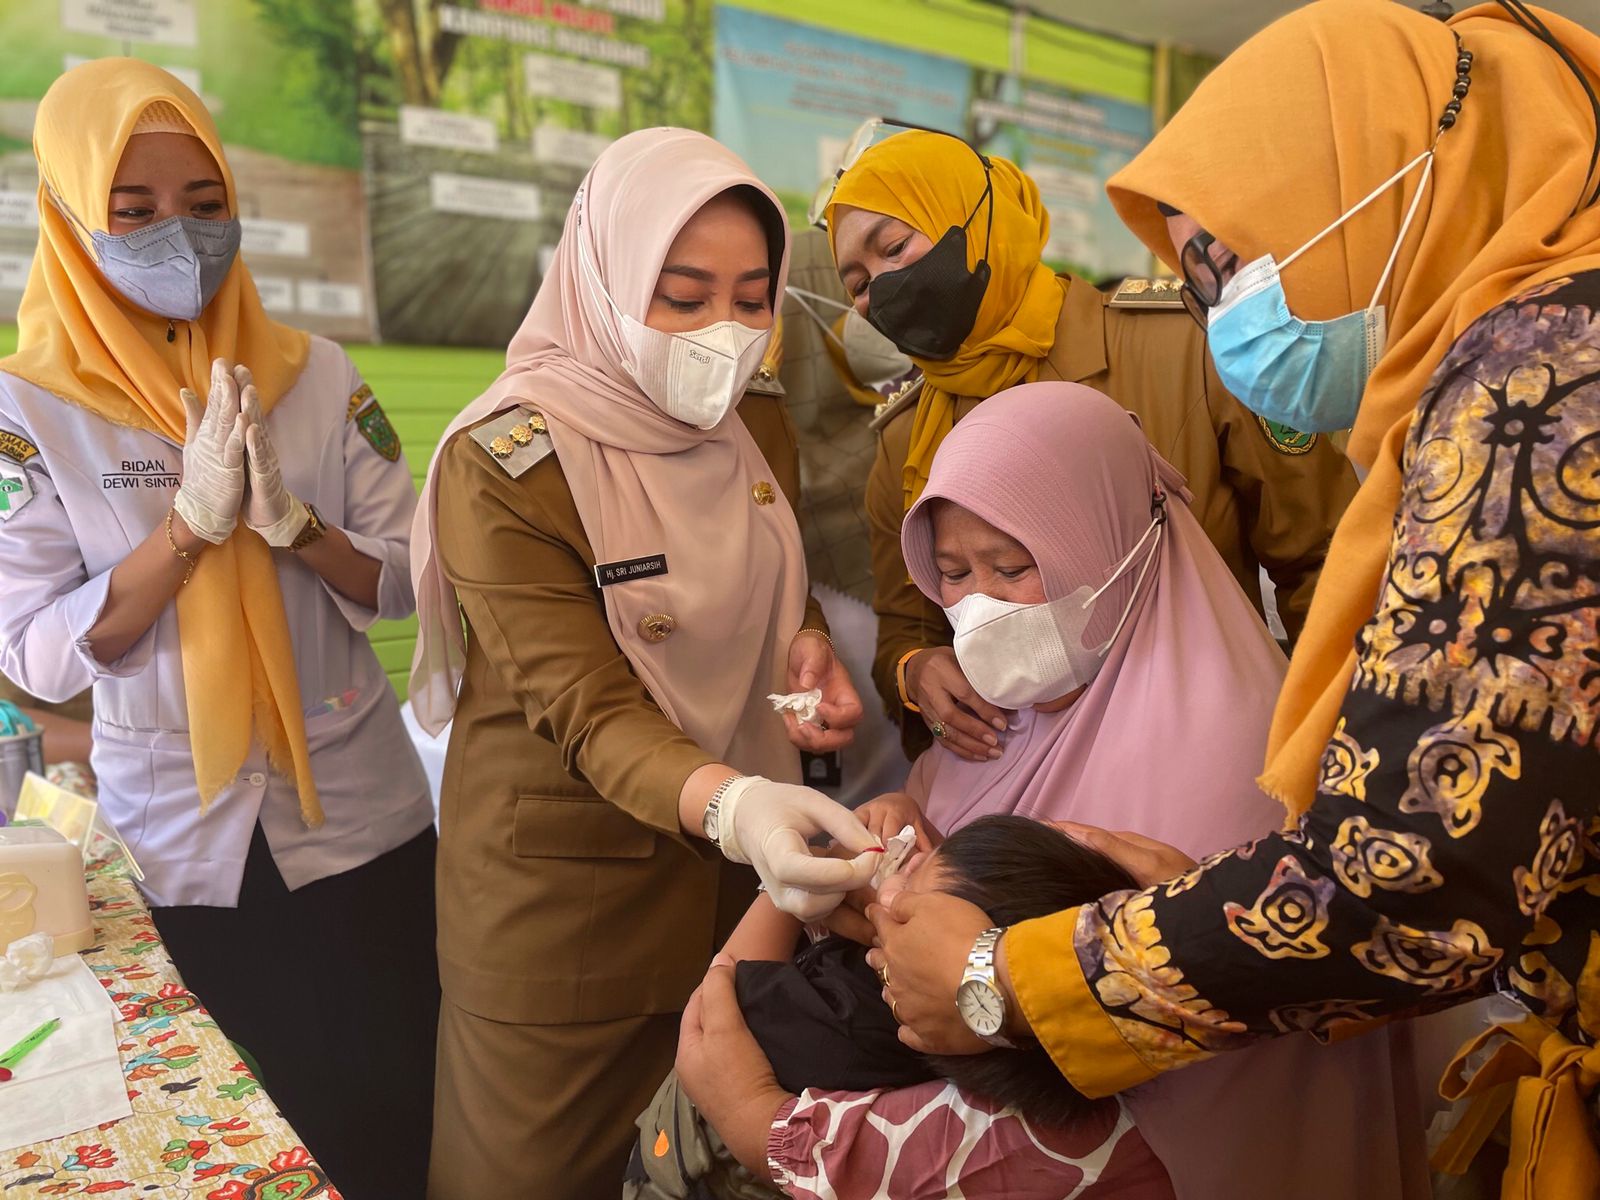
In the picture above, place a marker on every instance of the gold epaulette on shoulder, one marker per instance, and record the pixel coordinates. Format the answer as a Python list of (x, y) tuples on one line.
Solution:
[(516, 440), (1149, 293), (765, 382), (897, 402)]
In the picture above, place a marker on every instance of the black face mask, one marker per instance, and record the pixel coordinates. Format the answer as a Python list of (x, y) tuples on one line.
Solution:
[(928, 309)]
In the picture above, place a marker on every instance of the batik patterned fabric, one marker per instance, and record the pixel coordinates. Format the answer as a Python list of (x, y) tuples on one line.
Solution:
[(897, 1145), (1452, 847), (202, 1127)]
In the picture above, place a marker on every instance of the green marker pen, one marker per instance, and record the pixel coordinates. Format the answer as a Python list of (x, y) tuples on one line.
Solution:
[(13, 1056)]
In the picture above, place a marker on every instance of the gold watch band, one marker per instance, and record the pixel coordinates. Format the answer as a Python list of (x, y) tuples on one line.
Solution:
[(314, 531)]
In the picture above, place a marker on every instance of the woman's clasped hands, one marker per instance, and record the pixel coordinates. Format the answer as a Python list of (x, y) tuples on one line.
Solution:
[(212, 490), (230, 467)]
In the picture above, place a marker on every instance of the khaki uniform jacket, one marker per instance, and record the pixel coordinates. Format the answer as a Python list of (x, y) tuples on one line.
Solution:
[(566, 890), (1266, 497)]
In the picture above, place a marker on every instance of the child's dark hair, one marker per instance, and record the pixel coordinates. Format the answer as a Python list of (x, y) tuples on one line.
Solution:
[(1016, 869)]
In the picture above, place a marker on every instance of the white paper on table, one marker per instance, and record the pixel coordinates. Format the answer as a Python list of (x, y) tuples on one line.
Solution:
[(73, 1080)]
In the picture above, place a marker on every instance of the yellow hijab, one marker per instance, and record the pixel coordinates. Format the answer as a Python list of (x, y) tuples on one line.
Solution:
[(81, 340), (931, 182), (1291, 131)]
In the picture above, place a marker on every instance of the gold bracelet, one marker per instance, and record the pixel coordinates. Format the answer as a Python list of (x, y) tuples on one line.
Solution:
[(900, 677), (191, 559), (821, 635)]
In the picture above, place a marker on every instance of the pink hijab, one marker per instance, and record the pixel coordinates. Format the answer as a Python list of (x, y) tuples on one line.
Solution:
[(1063, 469), (643, 482), (1166, 741)]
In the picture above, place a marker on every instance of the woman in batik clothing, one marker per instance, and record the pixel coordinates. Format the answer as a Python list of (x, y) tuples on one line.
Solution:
[(1436, 741)]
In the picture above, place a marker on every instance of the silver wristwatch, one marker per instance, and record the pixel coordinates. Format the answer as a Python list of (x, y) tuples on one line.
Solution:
[(710, 822), (979, 1000)]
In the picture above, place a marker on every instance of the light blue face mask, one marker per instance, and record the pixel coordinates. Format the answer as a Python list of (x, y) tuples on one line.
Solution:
[(1308, 375)]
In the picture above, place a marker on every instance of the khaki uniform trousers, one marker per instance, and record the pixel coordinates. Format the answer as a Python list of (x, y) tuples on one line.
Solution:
[(541, 1112)]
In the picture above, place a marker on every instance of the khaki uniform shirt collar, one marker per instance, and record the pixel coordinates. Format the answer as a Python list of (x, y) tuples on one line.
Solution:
[(1079, 352)]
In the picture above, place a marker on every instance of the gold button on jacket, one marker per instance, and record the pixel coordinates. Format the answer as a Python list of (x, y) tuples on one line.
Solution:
[(656, 627)]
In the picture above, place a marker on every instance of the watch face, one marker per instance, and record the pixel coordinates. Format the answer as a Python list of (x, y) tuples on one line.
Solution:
[(981, 1007), (709, 824)]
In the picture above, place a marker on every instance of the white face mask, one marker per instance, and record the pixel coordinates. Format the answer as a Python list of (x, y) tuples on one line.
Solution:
[(696, 377), (1019, 655), (873, 359)]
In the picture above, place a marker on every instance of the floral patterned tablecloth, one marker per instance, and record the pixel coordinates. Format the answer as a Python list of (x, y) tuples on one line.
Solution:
[(202, 1127)]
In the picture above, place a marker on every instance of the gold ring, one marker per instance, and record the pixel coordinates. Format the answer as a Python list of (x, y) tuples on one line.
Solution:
[(894, 1011), (938, 729), (885, 974)]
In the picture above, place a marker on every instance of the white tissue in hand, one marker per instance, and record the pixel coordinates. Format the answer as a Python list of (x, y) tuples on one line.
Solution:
[(802, 704)]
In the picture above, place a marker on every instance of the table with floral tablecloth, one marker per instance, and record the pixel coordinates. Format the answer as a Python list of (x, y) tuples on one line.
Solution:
[(202, 1127)]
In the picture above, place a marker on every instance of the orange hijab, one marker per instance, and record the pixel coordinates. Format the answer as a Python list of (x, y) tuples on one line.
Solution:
[(1291, 131), (931, 182), (81, 340)]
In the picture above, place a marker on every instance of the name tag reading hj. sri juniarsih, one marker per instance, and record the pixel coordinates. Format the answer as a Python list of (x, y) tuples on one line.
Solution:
[(628, 569)]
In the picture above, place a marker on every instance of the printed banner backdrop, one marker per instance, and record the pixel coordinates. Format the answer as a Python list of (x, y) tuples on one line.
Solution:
[(1071, 143), (790, 95), (479, 121), (405, 166), (279, 76)]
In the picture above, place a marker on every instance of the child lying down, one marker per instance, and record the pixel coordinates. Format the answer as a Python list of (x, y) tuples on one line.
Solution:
[(819, 1014)]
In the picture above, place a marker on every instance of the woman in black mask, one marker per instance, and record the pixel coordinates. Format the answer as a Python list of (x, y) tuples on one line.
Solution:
[(941, 248)]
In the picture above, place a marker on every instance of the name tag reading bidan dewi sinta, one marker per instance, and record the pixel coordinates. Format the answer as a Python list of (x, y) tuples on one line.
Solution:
[(624, 570)]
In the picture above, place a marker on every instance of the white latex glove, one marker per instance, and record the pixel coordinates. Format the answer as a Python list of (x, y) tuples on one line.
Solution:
[(767, 825), (213, 458), (271, 509)]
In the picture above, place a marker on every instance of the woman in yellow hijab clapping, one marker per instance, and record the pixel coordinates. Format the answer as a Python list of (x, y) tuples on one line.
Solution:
[(210, 567)]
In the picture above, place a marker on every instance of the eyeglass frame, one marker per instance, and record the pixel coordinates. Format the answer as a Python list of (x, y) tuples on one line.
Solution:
[(860, 142), (1197, 251)]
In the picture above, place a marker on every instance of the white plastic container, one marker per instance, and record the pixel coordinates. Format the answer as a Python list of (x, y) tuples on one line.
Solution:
[(42, 889)]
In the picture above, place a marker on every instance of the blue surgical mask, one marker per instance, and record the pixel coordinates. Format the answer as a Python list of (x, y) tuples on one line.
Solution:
[(172, 268), (1308, 375)]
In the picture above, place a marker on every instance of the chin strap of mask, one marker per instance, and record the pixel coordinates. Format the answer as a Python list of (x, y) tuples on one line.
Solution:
[(1155, 530), (801, 296), (988, 194), (1530, 20)]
